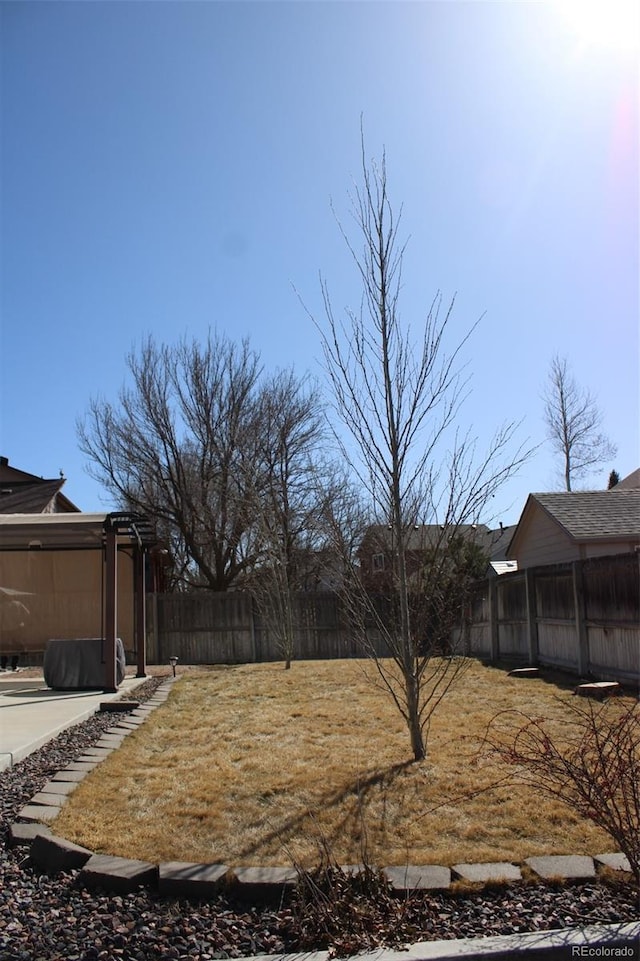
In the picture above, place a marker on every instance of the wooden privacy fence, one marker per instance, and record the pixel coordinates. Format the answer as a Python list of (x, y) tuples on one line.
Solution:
[(583, 617), (209, 628)]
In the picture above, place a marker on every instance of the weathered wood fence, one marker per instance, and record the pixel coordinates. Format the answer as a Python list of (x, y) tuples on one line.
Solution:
[(583, 617), (207, 628)]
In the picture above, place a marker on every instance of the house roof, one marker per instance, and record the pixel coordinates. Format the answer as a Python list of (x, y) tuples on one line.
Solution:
[(422, 536), (630, 482), (590, 515), (495, 543), (24, 493), (10, 473), (33, 497)]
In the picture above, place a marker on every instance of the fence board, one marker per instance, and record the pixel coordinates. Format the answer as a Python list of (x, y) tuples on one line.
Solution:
[(512, 639), (610, 588), (512, 598), (557, 643), (614, 652), (554, 593)]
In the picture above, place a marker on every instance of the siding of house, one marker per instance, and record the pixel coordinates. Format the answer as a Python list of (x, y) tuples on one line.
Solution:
[(606, 548), (563, 526), (542, 541)]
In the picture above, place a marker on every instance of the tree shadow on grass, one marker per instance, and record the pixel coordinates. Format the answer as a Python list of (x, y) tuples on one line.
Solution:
[(350, 824)]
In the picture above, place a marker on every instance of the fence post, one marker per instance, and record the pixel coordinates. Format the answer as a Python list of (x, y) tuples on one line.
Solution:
[(156, 628), (580, 620), (248, 608), (532, 616), (152, 628), (493, 619)]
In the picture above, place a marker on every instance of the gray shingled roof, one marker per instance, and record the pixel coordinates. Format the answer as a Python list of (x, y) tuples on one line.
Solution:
[(587, 515), (422, 537), (630, 482), (28, 497), (495, 543)]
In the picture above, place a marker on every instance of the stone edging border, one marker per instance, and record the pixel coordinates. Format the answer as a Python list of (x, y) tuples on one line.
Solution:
[(254, 884)]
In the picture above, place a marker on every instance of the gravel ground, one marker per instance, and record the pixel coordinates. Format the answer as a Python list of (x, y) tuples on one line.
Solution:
[(46, 918)]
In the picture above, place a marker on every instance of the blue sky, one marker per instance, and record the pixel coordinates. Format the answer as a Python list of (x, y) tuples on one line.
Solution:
[(169, 167)]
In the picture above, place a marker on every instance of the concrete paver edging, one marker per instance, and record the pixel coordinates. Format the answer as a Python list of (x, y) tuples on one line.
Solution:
[(200, 881)]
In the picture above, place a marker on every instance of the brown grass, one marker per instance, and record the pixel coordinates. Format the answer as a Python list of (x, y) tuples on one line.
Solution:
[(255, 765)]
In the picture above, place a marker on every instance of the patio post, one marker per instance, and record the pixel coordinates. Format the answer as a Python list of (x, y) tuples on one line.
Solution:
[(140, 594), (111, 607)]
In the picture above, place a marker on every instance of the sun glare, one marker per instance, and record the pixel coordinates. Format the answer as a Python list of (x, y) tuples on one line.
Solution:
[(611, 23)]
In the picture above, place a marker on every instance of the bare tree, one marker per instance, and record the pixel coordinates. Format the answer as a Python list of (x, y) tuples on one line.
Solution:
[(174, 447), (399, 398), (288, 502), (573, 424)]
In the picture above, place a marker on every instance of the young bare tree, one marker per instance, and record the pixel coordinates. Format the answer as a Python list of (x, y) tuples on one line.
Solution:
[(173, 447), (573, 424), (399, 398), (287, 502)]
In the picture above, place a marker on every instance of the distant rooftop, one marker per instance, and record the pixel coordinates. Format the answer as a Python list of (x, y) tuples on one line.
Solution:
[(24, 493), (630, 482)]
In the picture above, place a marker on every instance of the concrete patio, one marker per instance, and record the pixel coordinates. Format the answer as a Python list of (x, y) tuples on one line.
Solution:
[(32, 714)]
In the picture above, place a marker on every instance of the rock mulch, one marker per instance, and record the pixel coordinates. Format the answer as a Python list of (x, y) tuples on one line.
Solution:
[(45, 918)]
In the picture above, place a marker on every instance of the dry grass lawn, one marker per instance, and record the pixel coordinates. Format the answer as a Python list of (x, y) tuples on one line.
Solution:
[(257, 765)]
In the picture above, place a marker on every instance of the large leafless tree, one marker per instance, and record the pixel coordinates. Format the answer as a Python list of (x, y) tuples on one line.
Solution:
[(226, 461), (174, 446), (573, 422), (398, 395)]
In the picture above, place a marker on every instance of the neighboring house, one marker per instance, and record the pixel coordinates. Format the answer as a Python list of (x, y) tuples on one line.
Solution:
[(573, 525), (631, 482), (376, 551), (495, 545), (23, 493), (321, 570), (316, 571)]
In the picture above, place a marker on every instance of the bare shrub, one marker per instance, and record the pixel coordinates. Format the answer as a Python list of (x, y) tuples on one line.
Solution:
[(593, 767), (347, 910)]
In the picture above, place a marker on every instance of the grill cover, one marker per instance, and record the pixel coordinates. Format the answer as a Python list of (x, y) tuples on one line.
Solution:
[(78, 664)]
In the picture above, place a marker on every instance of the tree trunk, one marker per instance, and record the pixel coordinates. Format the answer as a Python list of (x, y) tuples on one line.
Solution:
[(413, 719)]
